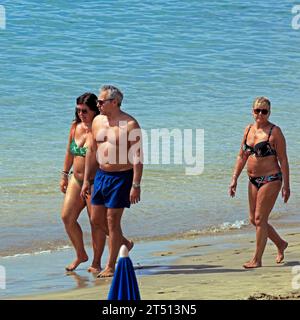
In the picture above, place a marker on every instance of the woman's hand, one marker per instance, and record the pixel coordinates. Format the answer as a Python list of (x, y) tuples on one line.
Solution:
[(232, 187), (63, 184), (285, 193)]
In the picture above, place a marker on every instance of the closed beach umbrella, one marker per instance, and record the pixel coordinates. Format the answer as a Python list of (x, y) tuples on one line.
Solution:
[(124, 284)]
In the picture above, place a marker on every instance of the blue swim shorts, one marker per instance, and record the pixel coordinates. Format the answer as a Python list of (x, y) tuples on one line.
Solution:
[(112, 189)]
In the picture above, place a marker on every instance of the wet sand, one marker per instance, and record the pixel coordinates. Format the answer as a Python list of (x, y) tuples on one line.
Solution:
[(210, 268)]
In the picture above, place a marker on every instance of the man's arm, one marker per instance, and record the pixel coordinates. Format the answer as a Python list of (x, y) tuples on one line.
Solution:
[(90, 163), (136, 157)]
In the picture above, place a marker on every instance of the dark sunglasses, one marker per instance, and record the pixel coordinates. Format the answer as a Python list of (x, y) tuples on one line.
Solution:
[(262, 111), (83, 111), (101, 102)]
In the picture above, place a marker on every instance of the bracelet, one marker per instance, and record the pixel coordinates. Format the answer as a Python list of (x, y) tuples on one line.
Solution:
[(136, 185), (65, 173), (234, 176)]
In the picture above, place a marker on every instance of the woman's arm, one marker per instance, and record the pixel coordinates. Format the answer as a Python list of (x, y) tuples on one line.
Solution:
[(67, 163), (280, 146), (239, 165)]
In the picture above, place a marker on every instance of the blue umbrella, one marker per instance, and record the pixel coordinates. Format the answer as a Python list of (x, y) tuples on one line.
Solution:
[(124, 284)]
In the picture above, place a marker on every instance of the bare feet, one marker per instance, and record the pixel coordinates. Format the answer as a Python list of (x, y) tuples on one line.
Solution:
[(94, 269), (76, 263), (106, 273), (280, 255), (252, 264)]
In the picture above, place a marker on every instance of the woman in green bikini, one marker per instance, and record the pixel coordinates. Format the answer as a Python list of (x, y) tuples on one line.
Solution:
[(73, 204)]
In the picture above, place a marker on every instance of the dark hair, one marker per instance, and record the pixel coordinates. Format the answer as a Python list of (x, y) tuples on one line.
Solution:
[(88, 99)]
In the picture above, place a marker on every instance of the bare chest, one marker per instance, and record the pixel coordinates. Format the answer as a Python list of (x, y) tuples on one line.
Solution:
[(112, 134)]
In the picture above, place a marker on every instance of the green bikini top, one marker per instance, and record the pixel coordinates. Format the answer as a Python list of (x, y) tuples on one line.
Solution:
[(77, 151), (74, 149)]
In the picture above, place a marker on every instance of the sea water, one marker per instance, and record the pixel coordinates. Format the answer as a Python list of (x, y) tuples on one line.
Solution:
[(181, 65)]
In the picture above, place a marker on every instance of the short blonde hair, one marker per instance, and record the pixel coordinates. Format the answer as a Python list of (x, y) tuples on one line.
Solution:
[(261, 102)]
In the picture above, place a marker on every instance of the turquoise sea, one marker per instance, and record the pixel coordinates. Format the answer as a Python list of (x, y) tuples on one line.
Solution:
[(181, 64)]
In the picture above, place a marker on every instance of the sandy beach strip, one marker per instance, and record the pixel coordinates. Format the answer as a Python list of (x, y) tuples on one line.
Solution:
[(204, 270)]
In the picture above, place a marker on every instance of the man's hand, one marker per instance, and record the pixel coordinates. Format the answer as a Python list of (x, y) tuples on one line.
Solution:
[(85, 190), (135, 195)]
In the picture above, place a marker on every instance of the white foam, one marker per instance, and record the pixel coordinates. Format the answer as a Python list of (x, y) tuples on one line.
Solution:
[(225, 226), (238, 224), (17, 255)]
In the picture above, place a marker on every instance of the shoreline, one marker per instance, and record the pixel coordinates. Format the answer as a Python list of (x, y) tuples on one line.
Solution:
[(203, 267), (219, 229)]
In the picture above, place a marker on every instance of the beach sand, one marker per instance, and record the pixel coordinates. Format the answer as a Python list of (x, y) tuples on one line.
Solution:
[(210, 267)]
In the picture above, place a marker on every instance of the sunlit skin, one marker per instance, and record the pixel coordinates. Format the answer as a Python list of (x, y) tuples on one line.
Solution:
[(262, 200), (73, 204), (109, 128)]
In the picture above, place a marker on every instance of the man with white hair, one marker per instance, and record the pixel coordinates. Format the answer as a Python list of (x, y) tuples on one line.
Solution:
[(115, 142)]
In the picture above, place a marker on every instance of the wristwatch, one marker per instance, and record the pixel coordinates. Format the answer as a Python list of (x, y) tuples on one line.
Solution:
[(136, 185)]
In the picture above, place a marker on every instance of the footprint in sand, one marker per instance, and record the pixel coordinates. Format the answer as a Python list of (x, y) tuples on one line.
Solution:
[(199, 246), (163, 292), (163, 254), (197, 259)]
